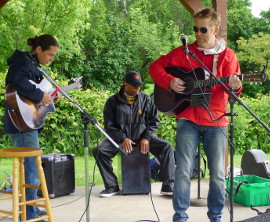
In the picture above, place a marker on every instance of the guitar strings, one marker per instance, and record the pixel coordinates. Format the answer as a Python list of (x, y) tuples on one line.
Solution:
[(205, 82), (205, 104)]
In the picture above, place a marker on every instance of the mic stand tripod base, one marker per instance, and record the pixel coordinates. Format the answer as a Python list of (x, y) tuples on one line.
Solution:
[(198, 202)]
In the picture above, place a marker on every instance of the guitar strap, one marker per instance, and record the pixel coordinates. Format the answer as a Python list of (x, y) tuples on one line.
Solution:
[(31, 58), (215, 64)]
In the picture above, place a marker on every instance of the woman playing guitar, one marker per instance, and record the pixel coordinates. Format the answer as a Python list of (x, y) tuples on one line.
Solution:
[(23, 67)]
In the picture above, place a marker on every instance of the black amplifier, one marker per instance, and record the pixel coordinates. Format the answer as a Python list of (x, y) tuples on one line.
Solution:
[(59, 173)]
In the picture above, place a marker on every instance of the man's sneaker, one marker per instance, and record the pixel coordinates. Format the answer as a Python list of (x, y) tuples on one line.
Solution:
[(216, 219), (39, 220), (41, 213), (109, 192), (167, 188)]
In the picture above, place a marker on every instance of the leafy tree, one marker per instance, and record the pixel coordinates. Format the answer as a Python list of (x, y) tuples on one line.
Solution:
[(240, 21), (22, 19), (117, 42), (262, 24), (109, 52), (149, 39), (253, 55)]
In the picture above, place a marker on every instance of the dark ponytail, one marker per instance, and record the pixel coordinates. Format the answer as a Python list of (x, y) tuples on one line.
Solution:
[(44, 41)]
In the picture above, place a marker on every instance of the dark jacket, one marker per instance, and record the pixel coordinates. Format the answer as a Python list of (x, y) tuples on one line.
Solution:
[(22, 68), (135, 122)]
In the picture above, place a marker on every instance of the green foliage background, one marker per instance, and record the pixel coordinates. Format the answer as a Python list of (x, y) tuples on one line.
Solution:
[(103, 39), (63, 131)]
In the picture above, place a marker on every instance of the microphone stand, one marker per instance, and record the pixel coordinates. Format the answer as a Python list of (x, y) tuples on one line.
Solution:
[(230, 92), (231, 114), (88, 118), (199, 202)]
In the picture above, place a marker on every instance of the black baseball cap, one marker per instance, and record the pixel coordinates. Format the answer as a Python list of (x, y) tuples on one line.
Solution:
[(133, 78)]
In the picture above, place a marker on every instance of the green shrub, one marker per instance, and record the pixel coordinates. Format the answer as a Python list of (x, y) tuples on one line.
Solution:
[(167, 128), (64, 131), (249, 133)]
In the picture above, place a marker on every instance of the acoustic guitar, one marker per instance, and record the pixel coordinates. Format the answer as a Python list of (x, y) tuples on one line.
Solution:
[(172, 103), (26, 114)]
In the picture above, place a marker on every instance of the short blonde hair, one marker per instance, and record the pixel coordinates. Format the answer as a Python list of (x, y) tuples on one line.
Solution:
[(208, 13)]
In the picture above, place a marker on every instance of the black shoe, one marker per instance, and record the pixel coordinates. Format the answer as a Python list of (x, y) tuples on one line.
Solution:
[(39, 220), (167, 188), (109, 192), (216, 219), (41, 213)]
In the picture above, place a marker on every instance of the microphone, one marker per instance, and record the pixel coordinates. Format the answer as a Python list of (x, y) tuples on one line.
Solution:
[(184, 42)]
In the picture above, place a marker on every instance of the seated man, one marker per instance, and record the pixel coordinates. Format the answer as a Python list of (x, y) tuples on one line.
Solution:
[(131, 119)]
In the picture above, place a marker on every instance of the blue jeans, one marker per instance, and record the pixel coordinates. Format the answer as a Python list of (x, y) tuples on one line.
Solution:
[(28, 139), (188, 138)]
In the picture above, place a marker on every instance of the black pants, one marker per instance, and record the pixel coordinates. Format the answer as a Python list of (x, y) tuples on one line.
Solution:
[(161, 149)]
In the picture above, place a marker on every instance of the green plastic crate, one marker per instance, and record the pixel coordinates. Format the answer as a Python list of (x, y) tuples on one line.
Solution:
[(252, 190)]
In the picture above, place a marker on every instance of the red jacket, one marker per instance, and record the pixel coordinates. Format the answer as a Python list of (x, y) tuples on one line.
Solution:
[(227, 65)]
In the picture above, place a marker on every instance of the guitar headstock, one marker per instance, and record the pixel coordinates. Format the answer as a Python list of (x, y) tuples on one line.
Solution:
[(78, 82), (256, 76)]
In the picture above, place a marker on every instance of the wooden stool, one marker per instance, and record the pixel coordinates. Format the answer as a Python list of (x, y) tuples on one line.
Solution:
[(18, 155)]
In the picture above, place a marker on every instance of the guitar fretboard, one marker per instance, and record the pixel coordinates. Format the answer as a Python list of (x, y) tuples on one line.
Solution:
[(210, 82), (249, 77)]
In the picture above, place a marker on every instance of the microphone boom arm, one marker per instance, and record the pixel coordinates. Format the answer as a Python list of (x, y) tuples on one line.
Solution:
[(89, 117)]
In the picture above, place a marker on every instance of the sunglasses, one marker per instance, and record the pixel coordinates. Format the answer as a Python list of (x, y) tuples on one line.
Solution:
[(202, 29)]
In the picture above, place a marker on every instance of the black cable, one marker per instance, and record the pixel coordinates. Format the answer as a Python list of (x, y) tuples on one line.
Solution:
[(64, 204), (151, 197), (147, 129)]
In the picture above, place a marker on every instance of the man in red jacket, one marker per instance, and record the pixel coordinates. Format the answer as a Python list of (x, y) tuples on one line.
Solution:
[(196, 123)]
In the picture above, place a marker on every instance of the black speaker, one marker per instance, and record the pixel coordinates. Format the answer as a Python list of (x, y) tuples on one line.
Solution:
[(135, 173), (255, 162), (59, 174)]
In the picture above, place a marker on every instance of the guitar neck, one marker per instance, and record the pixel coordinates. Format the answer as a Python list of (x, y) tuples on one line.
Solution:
[(249, 77), (69, 87), (211, 82)]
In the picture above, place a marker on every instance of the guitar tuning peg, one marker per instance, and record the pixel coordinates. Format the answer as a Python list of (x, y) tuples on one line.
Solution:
[(265, 67), (263, 74)]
